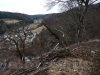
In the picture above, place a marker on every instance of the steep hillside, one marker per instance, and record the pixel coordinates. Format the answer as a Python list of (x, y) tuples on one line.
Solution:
[(77, 59), (69, 20)]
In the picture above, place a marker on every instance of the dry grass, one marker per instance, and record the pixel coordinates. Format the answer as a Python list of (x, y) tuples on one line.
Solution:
[(85, 50), (8, 21), (32, 25), (81, 63), (70, 66), (39, 29)]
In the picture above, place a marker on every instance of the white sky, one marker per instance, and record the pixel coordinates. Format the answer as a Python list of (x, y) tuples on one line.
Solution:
[(26, 6)]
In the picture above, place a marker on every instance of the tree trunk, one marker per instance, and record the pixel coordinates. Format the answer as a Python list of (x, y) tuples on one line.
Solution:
[(81, 31)]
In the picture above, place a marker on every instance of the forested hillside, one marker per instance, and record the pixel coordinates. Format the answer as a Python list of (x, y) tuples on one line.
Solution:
[(11, 15), (69, 21)]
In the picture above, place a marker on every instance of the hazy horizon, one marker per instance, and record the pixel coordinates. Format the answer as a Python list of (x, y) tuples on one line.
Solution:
[(30, 7)]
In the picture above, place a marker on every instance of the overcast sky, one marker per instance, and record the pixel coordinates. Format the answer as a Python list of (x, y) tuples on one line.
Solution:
[(26, 6), (31, 7)]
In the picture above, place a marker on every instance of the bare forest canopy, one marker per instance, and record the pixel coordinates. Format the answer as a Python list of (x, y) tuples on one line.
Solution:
[(69, 20)]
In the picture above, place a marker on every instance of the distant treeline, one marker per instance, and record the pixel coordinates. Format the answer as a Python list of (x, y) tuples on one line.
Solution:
[(18, 16)]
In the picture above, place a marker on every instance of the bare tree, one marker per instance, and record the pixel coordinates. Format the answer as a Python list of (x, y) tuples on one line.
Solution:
[(82, 9), (18, 39)]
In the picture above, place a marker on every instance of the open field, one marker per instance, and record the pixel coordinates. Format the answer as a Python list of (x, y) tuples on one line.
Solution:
[(11, 21), (39, 29), (33, 25)]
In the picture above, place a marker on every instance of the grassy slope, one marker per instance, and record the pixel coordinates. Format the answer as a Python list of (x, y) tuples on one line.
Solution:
[(81, 63), (11, 21)]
